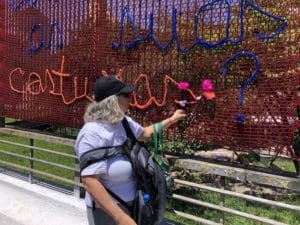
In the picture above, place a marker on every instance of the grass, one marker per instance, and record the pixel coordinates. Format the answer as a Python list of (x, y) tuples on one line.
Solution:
[(274, 213), (284, 164), (68, 174)]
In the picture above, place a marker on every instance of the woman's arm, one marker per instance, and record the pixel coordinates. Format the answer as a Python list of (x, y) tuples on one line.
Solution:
[(178, 115), (102, 198)]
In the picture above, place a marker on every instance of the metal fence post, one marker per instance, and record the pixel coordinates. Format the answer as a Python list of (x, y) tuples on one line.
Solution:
[(222, 199), (31, 161), (2, 122), (2, 119), (78, 191)]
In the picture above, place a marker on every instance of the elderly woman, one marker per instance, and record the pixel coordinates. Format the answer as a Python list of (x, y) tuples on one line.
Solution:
[(103, 128)]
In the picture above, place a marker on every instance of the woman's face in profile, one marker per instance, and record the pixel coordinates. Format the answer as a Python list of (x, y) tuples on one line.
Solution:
[(124, 100)]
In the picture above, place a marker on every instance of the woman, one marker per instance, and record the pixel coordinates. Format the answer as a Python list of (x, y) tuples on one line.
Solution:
[(103, 128)]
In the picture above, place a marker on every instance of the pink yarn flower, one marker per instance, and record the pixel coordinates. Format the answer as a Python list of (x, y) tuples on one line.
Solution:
[(207, 85), (183, 85)]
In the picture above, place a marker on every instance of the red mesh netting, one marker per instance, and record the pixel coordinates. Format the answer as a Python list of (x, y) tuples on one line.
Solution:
[(52, 51)]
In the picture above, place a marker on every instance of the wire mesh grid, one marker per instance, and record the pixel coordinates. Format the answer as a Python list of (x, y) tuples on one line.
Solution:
[(51, 53)]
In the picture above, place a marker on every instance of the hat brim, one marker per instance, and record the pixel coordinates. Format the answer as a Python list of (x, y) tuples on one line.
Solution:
[(127, 89)]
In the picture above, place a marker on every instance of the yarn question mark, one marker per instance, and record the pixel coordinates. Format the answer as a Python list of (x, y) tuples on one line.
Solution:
[(240, 117)]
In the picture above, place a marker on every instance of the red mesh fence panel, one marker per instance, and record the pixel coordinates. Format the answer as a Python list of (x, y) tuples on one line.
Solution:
[(2, 51), (52, 52)]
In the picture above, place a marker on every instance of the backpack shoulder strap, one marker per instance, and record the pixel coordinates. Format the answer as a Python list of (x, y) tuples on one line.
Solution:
[(121, 201), (101, 153), (128, 130), (97, 154)]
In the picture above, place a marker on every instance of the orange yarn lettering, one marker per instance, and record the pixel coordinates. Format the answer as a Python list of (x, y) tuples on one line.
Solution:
[(35, 85)]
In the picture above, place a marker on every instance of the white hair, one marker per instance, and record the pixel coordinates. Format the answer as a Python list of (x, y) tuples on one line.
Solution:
[(107, 110)]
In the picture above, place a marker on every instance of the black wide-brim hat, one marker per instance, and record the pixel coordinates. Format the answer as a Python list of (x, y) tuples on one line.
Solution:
[(111, 85)]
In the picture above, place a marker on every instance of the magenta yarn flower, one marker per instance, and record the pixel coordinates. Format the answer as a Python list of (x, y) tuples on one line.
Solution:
[(183, 85), (207, 85)]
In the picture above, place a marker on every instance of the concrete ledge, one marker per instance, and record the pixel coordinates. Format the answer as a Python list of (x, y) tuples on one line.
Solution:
[(241, 174), (22, 203), (7, 221)]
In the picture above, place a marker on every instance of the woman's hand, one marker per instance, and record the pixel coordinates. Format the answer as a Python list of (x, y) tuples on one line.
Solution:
[(178, 115)]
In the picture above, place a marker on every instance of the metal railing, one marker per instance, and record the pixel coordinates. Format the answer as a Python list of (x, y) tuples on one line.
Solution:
[(221, 208), (32, 150), (32, 173)]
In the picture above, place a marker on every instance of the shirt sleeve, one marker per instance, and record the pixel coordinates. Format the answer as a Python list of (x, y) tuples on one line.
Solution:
[(87, 142), (136, 128)]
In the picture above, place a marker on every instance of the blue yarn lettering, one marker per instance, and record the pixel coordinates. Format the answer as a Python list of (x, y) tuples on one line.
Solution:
[(240, 117), (39, 28), (250, 79), (198, 40), (29, 3)]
